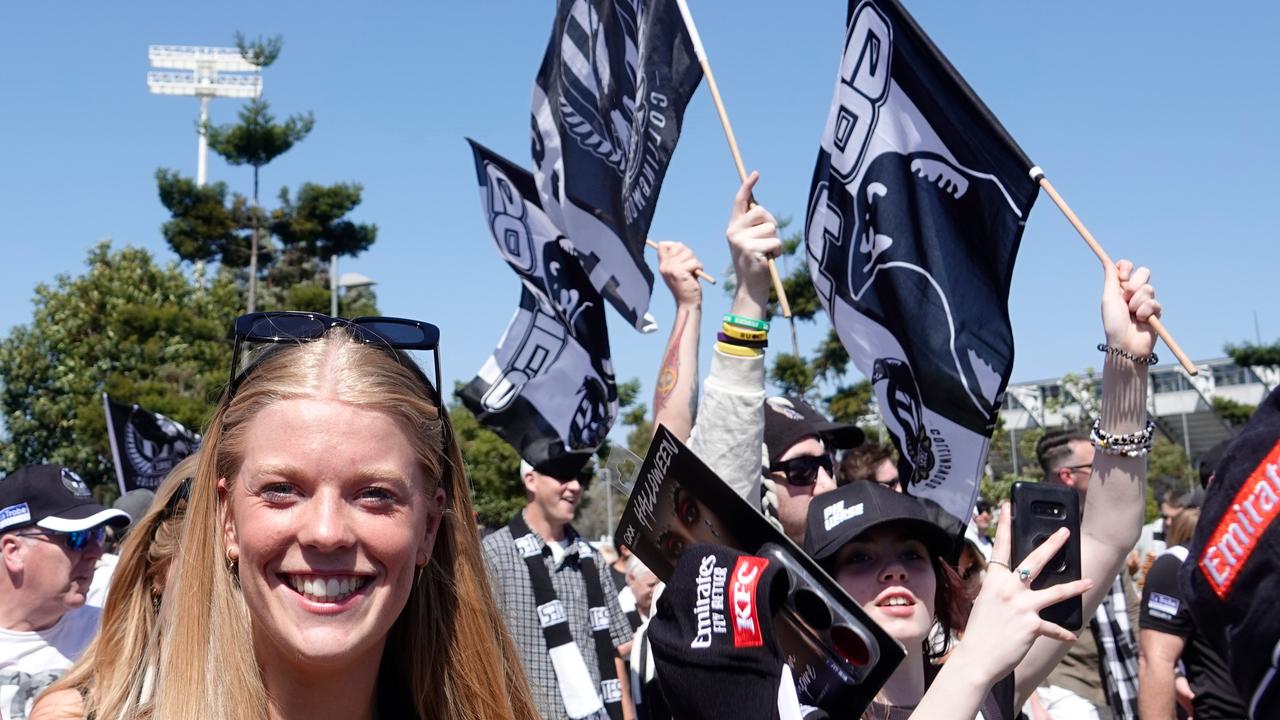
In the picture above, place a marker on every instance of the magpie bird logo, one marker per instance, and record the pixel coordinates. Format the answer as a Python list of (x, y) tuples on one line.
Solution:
[(74, 484), (154, 444), (599, 77), (592, 416), (896, 384)]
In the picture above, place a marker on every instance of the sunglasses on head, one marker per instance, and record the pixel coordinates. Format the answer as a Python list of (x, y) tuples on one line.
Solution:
[(177, 504), (75, 541), (295, 327), (803, 470)]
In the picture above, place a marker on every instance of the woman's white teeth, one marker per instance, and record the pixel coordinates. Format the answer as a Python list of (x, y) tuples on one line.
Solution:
[(896, 601), (333, 589)]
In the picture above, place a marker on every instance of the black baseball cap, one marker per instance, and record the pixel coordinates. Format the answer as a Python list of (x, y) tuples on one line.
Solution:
[(712, 635), (53, 498), (789, 419), (1234, 560), (843, 514)]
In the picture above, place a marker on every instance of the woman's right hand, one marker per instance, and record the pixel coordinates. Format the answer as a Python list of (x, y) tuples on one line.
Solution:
[(1005, 620), (1128, 304)]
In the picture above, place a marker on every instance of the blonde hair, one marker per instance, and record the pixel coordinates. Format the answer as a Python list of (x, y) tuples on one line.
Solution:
[(110, 673), (448, 655), (1182, 527)]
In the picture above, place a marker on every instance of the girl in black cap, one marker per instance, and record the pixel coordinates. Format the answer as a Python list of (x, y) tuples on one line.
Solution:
[(885, 552)]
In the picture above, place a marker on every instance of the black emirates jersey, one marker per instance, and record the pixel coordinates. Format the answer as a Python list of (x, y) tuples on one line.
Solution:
[(1165, 610)]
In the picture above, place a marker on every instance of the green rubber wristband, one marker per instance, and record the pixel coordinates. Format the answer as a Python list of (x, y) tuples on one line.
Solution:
[(747, 322)]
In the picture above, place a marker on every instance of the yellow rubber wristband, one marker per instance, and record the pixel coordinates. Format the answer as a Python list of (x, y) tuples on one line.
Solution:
[(741, 333), (737, 350)]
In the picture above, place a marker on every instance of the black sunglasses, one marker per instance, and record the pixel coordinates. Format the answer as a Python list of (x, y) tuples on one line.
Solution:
[(293, 327), (583, 477), (803, 470)]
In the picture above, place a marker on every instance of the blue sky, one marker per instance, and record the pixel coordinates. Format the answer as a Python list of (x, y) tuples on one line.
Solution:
[(1155, 121)]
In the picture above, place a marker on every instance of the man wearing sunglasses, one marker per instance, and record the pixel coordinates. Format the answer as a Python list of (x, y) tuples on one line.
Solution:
[(800, 445), (51, 533), (559, 599)]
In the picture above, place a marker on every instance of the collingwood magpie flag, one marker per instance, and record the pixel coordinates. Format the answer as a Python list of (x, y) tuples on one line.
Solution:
[(607, 107), (916, 210), (145, 445), (548, 389)]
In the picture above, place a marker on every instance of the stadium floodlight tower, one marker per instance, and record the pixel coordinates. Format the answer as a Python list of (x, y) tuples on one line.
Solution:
[(206, 73)]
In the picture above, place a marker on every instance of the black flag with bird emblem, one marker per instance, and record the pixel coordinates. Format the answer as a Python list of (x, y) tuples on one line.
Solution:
[(607, 107), (916, 210), (145, 445), (548, 389)]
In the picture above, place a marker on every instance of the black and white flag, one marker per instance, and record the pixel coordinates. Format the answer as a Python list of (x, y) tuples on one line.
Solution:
[(917, 207), (607, 107), (548, 389), (145, 445)]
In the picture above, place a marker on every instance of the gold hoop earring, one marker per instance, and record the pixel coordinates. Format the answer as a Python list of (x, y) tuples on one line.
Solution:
[(233, 563)]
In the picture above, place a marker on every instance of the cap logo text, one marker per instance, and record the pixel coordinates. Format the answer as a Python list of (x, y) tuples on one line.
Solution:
[(746, 620), (708, 605), (837, 513), (74, 484), (1242, 525), (15, 515)]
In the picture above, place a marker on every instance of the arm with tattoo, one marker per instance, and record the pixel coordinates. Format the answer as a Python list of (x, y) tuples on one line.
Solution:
[(675, 397)]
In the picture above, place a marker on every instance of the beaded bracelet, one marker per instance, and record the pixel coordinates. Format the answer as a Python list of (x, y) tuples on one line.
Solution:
[(738, 333), (737, 350), (746, 322), (1134, 444), (760, 344), (1151, 359)]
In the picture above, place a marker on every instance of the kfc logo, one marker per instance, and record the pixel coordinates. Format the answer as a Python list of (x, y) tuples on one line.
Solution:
[(746, 620)]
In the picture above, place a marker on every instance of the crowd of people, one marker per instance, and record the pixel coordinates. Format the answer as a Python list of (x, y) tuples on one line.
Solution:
[(318, 556)]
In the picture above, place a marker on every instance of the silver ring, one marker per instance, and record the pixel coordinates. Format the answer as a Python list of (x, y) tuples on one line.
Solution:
[(1001, 563), (1024, 574)]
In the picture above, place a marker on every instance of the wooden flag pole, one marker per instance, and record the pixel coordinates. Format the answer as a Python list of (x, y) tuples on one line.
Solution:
[(1038, 176), (698, 273), (728, 133)]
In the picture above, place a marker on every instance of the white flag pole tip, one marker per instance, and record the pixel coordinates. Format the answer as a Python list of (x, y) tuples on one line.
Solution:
[(693, 31)]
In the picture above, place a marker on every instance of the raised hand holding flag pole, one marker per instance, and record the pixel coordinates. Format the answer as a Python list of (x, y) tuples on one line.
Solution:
[(698, 273), (1037, 175)]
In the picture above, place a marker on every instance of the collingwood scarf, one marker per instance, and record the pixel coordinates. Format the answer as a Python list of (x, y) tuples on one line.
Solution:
[(580, 697)]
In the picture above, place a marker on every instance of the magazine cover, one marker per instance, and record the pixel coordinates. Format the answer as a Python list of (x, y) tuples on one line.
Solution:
[(838, 656)]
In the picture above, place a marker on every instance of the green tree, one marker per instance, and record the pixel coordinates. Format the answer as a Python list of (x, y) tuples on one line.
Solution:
[(201, 226), (311, 229), (1169, 467), (255, 141), (128, 326), (261, 51), (492, 466), (1251, 355), (1235, 413), (205, 224)]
